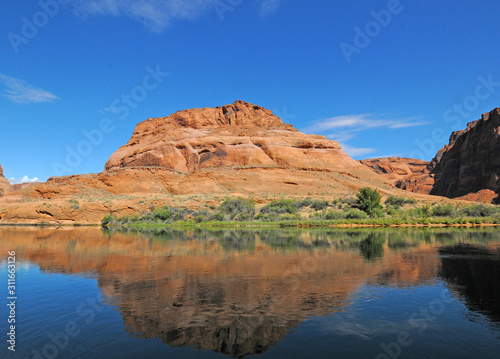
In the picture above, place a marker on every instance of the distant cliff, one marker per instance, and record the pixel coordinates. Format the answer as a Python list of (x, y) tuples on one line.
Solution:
[(471, 161), (468, 166), (5, 186)]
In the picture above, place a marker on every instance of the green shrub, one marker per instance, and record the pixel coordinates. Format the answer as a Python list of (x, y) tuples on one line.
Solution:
[(395, 201), (168, 214), (237, 207), (218, 217), (319, 205), (410, 200), (446, 210), (398, 201), (356, 214), (108, 220), (306, 202), (281, 206), (425, 210), (368, 200), (347, 202), (478, 210)]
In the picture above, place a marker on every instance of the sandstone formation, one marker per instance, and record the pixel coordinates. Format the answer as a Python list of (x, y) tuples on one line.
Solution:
[(195, 158), (406, 173), (5, 186), (471, 161), (467, 168), (240, 135)]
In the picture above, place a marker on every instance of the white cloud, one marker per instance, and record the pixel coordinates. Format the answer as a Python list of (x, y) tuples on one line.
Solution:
[(269, 7), (344, 128), (156, 15), (19, 91), (25, 179), (355, 152), (362, 122)]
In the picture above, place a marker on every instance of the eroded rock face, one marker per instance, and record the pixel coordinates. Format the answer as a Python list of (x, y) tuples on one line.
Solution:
[(240, 134), (468, 167), (406, 173), (471, 161), (5, 186)]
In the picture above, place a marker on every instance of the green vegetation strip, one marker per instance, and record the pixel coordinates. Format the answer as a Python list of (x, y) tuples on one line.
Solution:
[(366, 209)]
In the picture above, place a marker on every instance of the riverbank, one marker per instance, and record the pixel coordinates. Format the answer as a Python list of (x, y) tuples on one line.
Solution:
[(364, 211)]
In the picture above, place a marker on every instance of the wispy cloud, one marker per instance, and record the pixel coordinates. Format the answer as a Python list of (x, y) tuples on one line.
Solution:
[(363, 122), (156, 15), (345, 128), (19, 91), (269, 7), (24, 179), (355, 151)]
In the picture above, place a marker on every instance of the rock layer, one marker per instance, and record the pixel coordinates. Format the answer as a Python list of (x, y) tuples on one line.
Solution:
[(198, 157), (468, 167), (471, 161), (240, 134), (406, 173), (5, 186)]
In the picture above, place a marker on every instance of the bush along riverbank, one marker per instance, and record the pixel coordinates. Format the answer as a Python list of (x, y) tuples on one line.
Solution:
[(366, 209)]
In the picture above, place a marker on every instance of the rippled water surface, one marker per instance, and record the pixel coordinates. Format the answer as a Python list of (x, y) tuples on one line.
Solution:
[(270, 293)]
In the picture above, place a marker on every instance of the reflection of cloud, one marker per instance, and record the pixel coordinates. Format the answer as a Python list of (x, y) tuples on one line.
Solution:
[(269, 7), (25, 179), (20, 91)]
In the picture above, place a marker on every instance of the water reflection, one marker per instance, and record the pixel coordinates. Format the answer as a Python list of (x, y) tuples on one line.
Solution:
[(240, 292), (474, 274)]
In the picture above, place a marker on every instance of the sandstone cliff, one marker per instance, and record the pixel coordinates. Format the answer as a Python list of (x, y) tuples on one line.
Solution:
[(468, 167), (406, 173), (5, 186), (471, 161), (240, 134), (195, 158)]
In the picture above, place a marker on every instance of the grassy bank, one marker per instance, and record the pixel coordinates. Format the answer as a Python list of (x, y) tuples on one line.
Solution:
[(366, 209)]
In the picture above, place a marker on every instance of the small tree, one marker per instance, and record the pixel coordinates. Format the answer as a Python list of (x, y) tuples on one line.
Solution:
[(368, 200)]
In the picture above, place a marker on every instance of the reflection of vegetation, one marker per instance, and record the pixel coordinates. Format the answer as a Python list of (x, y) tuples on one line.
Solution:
[(370, 242), (372, 248), (401, 243)]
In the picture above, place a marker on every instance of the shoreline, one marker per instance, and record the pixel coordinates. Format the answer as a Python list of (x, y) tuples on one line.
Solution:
[(282, 224)]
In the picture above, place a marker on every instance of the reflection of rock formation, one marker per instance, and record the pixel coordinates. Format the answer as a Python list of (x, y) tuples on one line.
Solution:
[(199, 289), (474, 274)]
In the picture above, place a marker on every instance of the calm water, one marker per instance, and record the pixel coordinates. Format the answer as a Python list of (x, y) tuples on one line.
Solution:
[(420, 293)]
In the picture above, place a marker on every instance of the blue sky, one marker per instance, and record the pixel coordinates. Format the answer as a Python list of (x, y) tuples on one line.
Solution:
[(381, 77)]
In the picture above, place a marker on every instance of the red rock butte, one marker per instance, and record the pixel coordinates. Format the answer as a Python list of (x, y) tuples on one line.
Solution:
[(198, 157), (240, 134)]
